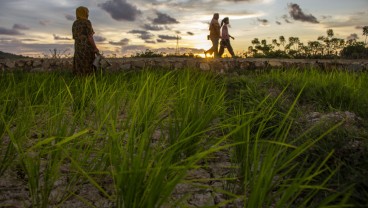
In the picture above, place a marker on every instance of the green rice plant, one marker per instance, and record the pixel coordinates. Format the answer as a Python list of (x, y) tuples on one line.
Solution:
[(143, 167), (30, 163), (139, 168), (8, 151), (7, 110), (340, 90), (40, 112), (134, 136), (268, 162), (199, 100)]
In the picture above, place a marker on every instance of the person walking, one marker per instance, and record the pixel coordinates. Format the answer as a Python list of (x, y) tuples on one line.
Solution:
[(214, 35), (84, 45), (225, 38)]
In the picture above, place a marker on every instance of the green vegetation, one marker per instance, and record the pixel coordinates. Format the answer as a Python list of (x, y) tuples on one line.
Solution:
[(141, 139), (4, 55), (154, 54), (324, 47)]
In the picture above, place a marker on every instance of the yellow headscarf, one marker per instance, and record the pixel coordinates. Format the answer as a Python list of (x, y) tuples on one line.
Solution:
[(82, 13)]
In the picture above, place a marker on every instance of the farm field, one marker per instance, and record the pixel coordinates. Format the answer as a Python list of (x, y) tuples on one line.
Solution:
[(184, 138)]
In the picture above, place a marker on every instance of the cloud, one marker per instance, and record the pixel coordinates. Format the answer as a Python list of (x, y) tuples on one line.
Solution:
[(56, 37), (20, 27), (44, 22), (353, 36), (131, 48), (326, 17), (69, 17), (168, 37), (121, 10), (144, 35), (163, 19), (29, 40), (352, 20), (192, 6), (286, 19), (9, 40), (150, 41), (161, 41), (240, 0), (153, 27), (122, 42), (5, 31), (297, 14), (98, 38), (262, 21)]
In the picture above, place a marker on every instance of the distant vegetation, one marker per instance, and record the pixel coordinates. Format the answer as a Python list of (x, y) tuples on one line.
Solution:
[(152, 54), (4, 55), (324, 47)]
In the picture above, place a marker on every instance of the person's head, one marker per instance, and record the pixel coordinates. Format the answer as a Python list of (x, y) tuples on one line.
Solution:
[(82, 12), (225, 21), (216, 16)]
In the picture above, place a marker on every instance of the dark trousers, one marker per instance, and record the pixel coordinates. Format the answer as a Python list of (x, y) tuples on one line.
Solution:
[(225, 43), (214, 49)]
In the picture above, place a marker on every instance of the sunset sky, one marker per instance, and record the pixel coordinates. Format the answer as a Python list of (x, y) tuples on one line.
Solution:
[(33, 27)]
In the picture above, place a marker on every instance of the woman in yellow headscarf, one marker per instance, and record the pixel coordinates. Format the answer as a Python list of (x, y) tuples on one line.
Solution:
[(84, 45)]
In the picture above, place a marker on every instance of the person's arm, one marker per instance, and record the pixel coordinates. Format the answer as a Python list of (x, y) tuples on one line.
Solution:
[(90, 33), (92, 41)]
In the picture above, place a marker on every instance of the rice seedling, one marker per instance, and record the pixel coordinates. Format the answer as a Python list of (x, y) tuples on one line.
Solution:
[(269, 162), (134, 137)]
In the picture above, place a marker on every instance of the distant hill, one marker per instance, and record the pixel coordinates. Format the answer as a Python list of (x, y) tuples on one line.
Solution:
[(4, 55)]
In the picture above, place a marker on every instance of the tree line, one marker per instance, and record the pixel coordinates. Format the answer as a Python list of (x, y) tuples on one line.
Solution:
[(327, 46)]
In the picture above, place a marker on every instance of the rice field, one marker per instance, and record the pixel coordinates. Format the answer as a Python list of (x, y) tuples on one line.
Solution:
[(185, 138)]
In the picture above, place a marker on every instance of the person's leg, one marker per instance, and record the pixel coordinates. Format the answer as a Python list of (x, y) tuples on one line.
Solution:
[(211, 50), (230, 48), (221, 51), (215, 43)]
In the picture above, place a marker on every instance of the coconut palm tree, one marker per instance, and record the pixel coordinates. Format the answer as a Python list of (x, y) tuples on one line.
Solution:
[(365, 32), (282, 41), (274, 42)]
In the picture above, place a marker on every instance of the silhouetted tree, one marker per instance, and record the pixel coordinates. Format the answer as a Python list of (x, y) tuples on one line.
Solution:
[(282, 41), (324, 47), (332, 45), (356, 50), (315, 47), (365, 32), (274, 42)]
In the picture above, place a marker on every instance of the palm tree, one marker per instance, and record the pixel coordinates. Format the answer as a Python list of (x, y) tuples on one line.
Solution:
[(365, 32), (282, 41), (274, 41), (327, 40), (256, 44), (251, 51), (315, 46), (255, 41), (294, 41), (330, 33)]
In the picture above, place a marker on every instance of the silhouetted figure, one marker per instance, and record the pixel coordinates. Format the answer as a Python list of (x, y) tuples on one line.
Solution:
[(225, 38), (84, 45), (214, 35)]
